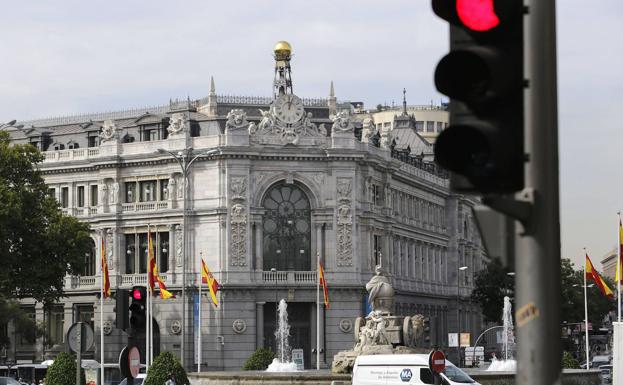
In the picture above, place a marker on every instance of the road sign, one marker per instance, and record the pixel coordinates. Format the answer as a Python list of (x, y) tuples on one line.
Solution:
[(80, 337), (129, 361), (436, 361), (453, 340), (298, 359)]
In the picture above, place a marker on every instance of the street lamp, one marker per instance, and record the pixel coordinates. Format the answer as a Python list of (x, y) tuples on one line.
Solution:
[(10, 124), (185, 159), (458, 312)]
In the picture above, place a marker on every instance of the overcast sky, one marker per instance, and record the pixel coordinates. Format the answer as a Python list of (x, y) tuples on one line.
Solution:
[(68, 57)]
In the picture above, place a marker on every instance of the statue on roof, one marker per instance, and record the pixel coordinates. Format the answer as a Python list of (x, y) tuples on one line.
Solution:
[(109, 131)]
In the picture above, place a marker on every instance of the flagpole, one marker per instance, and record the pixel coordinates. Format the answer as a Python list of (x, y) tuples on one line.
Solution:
[(103, 252), (585, 315), (148, 287), (199, 337), (318, 315), (619, 272)]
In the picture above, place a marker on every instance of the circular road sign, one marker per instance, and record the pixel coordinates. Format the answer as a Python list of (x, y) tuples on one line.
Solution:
[(129, 361), (80, 337), (437, 361)]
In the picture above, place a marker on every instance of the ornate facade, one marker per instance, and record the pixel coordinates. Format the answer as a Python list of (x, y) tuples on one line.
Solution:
[(287, 182)]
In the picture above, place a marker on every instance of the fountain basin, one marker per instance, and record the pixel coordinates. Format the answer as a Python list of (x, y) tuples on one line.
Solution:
[(304, 377)]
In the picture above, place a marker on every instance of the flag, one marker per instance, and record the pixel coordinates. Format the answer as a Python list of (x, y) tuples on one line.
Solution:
[(105, 277), (151, 263), (153, 277), (593, 274), (618, 277), (323, 283), (207, 277)]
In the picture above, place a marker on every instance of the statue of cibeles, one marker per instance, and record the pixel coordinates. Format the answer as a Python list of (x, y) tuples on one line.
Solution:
[(109, 131), (178, 123), (236, 120), (342, 123), (380, 291)]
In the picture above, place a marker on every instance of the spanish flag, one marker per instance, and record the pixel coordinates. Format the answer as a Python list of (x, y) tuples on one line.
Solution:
[(207, 277), (105, 277), (153, 277), (593, 274), (323, 283), (619, 277)]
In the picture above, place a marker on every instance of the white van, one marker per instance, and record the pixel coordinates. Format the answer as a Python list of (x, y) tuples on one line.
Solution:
[(399, 369)]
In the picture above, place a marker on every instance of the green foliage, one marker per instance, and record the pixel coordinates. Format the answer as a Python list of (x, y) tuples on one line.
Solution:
[(568, 362), (163, 365), (39, 245), (259, 360), (491, 285), (63, 371)]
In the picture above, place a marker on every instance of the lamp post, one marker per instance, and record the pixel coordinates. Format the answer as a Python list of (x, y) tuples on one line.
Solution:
[(458, 313), (185, 159), (585, 286)]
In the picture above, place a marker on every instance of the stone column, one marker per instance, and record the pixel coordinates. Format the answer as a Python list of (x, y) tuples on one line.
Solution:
[(319, 250), (259, 246)]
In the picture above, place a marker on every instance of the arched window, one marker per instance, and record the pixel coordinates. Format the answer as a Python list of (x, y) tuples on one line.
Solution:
[(287, 228)]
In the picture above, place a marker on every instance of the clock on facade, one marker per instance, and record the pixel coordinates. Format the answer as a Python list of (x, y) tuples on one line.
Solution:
[(289, 108)]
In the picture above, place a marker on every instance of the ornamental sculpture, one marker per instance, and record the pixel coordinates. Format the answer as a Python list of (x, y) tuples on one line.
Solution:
[(109, 131), (342, 123), (178, 125), (236, 120)]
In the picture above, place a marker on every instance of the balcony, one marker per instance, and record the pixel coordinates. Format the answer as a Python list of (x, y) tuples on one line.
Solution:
[(289, 277), (144, 206)]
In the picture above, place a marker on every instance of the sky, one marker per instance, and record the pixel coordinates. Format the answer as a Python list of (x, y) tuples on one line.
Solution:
[(71, 57)]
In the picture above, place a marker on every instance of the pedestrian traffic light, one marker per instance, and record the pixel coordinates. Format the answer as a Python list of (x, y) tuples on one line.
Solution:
[(122, 320), (483, 75), (137, 308)]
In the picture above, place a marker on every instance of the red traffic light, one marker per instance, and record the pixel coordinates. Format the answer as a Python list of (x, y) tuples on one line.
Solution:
[(477, 15), (137, 295)]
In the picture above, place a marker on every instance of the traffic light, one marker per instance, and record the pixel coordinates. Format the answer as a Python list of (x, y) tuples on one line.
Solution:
[(138, 307), (122, 298), (426, 335), (483, 75)]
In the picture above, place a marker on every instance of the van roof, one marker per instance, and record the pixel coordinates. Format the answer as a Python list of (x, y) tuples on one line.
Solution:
[(393, 359)]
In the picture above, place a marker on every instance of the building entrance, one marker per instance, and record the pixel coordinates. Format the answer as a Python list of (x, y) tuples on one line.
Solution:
[(299, 318)]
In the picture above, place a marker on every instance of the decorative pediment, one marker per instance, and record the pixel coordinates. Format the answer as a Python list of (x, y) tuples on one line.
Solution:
[(148, 118)]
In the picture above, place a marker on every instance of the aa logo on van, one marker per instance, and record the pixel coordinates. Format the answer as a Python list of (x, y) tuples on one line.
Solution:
[(406, 375)]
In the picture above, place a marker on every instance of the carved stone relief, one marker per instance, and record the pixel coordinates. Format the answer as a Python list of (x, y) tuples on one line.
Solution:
[(238, 188), (342, 123), (271, 130), (178, 125), (238, 221), (109, 131), (179, 245), (110, 248), (344, 222), (236, 120)]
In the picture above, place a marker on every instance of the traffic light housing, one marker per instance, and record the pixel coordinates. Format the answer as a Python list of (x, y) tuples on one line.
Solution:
[(483, 75), (122, 319), (137, 308), (426, 335)]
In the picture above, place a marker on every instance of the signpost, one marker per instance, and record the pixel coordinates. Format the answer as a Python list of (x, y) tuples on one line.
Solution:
[(436, 364), (80, 337), (298, 359)]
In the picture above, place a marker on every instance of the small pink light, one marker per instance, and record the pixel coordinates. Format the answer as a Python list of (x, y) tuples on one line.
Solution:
[(136, 294), (477, 15)]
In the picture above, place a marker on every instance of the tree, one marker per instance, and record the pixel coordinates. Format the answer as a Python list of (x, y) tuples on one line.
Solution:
[(39, 245), (63, 371), (491, 285), (166, 363)]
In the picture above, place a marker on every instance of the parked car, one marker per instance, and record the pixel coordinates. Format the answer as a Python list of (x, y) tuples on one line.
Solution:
[(599, 361), (8, 381)]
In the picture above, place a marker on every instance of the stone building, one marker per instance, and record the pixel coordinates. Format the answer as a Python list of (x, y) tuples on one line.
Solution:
[(277, 184)]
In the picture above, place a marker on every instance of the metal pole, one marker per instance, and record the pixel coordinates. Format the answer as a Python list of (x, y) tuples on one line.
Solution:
[(585, 317), (318, 315), (185, 248), (538, 246), (102, 255), (458, 318), (199, 336)]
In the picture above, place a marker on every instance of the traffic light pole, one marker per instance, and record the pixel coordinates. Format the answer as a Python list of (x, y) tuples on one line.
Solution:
[(537, 264)]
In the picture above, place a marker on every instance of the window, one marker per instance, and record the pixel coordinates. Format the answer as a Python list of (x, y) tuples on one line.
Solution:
[(28, 337), (72, 145), (65, 197), (52, 192), (163, 251), (419, 126), (430, 126), (148, 190), (136, 258), (439, 126), (93, 195), (378, 247), (55, 320), (130, 257), (92, 141), (376, 194), (59, 146), (287, 228), (150, 132), (164, 190), (130, 192), (84, 313), (90, 261), (80, 197)]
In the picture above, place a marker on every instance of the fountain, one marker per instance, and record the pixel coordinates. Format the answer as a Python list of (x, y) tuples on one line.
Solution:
[(282, 362), (508, 345)]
